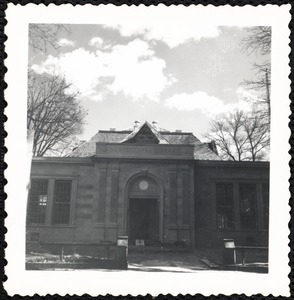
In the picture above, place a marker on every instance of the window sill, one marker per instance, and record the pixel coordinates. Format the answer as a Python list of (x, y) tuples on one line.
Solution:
[(240, 230), (106, 225), (52, 225)]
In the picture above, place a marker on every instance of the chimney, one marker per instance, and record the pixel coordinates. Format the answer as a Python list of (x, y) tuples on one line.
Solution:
[(155, 125), (111, 129), (137, 124), (212, 146), (178, 130)]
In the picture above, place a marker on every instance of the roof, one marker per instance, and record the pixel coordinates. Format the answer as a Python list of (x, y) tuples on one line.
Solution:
[(185, 138), (144, 134), (148, 129)]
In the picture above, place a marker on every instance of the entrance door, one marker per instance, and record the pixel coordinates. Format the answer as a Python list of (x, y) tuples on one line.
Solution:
[(143, 219)]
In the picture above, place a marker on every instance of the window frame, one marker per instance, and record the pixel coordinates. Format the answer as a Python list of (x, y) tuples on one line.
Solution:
[(60, 204), (256, 214), (260, 212), (30, 202), (231, 207), (49, 211)]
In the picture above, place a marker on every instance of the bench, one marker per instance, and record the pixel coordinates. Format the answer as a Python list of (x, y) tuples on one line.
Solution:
[(230, 251), (245, 249)]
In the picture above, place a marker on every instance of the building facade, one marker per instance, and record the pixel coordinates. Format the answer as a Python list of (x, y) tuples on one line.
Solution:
[(151, 185)]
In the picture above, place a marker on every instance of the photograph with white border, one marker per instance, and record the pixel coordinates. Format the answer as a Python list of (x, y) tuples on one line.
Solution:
[(147, 144)]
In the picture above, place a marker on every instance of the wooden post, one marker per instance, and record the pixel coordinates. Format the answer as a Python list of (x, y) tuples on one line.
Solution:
[(61, 256)]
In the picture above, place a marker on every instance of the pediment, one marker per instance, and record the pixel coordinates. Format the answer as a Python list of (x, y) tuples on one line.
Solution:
[(144, 135)]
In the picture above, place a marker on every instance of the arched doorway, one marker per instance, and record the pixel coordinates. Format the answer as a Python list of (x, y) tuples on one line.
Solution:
[(144, 210)]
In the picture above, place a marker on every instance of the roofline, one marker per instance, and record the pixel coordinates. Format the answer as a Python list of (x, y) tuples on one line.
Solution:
[(175, 133), (201, 163), (114, 131), (161, 132), (63, 159), (144, 145), (230, 163)]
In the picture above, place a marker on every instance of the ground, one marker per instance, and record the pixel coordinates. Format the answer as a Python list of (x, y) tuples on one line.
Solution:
[(145, 259)]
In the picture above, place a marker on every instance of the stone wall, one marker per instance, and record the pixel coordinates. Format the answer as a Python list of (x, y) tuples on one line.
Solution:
[(100, 198), (187, 208), (207, 174)]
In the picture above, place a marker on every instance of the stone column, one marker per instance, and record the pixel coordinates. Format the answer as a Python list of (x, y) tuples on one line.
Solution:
[(120, 207), (96, 192), (114, 195), (186, 198), (108, 195), (173, 197), (179, 199), (102, 173)]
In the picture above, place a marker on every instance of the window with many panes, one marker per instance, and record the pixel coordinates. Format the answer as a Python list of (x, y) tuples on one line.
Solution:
[(224, 206), (38, 201), (248, 205), (61, 202)]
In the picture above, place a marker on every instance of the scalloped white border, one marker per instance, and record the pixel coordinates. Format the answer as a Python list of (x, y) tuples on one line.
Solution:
[(126, 282)]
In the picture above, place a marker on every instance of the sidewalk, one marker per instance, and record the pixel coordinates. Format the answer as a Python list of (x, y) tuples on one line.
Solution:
[(177, 260)]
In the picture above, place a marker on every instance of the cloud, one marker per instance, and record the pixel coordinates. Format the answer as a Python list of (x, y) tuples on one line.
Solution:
[(208, 105), (173, 33), (96, 41), (133, 70), (136, 70), (79, 67), (245, 94), (66, 42), (196, 101)]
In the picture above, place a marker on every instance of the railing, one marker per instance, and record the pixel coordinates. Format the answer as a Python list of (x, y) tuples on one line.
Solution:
[(230, 252), (245, 249)]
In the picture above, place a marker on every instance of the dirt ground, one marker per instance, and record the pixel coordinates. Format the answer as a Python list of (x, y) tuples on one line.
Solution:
[(148, 259)]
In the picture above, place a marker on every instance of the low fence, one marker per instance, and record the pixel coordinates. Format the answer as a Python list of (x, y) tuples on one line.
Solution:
[(244, 256)]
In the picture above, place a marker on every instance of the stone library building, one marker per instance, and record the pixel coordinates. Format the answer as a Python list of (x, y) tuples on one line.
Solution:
[(155, 186)]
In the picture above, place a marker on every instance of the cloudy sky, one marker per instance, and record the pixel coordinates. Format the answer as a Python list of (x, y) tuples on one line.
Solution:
[(177, 74)]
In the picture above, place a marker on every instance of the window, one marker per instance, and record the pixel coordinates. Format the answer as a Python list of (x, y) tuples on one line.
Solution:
[(61, 202), (247, 194), (38, 201), (265, 202), (224, 206)]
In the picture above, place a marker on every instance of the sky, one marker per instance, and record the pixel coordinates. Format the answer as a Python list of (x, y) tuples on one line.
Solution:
[(181, 76)]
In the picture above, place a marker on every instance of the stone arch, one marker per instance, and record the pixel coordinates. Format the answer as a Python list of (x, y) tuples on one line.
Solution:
[(159, 195)]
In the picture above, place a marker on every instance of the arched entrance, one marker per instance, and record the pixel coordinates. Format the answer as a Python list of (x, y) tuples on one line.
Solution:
[(144, 211)]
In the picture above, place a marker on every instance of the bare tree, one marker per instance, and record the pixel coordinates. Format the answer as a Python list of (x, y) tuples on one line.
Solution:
[(258, 139), (43, 35), (239, 136), (262, 87), (54, 114), (258, 40)]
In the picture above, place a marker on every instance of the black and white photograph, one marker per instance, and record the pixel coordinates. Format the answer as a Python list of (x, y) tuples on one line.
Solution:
[(150, 143)]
